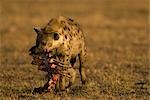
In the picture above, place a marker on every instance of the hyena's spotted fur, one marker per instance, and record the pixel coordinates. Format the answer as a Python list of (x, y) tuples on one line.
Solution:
[(66, 37)]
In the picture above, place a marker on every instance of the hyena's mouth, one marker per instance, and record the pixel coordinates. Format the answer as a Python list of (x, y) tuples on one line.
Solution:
[(51, 63), (48, 49)]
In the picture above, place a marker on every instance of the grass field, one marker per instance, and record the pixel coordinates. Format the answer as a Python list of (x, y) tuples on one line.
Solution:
[(117, 41)]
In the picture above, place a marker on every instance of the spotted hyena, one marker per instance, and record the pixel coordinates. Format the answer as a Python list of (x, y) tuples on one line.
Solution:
[(64, 38)]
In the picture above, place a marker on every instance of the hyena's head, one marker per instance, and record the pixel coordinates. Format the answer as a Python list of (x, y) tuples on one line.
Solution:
[(49, 37)]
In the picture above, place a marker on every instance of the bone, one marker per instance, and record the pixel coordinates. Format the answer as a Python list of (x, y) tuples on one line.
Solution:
[(53, 66), (50, 55), (64, 73), (58, 61), (53, 61)]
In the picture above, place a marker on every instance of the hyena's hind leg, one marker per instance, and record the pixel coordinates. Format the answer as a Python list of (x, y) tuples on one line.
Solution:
[(82, 67)]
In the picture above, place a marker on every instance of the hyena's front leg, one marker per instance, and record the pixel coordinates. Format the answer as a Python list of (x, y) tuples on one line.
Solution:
[(62, 79), (72, 74), (62, 83)]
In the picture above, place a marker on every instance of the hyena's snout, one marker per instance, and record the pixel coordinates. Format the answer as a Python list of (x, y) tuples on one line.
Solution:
[(47, 47)]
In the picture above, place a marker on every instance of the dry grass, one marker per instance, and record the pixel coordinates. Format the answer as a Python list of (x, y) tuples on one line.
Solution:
[(117, 40)]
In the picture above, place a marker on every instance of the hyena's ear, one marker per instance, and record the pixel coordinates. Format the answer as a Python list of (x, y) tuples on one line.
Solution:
[(37, 30)]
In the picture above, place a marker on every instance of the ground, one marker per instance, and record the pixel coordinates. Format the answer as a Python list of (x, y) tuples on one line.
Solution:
[(116, 34)]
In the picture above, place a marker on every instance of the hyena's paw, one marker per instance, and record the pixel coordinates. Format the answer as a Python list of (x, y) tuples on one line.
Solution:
[(39, 90)]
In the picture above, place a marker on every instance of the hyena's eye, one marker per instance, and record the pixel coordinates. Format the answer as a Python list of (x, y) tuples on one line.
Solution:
[(56, 36)]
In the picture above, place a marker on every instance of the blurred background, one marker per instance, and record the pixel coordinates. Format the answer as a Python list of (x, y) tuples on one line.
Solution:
[(116, 34)]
